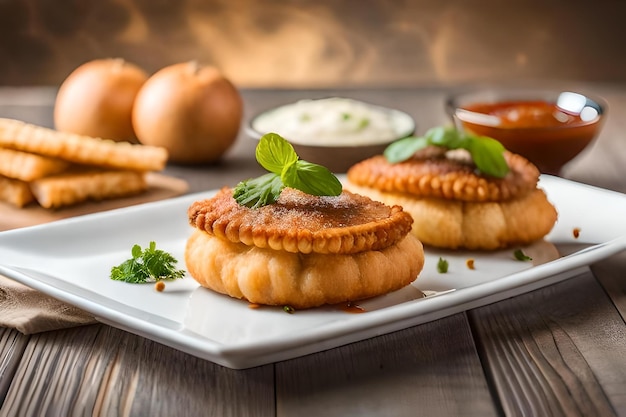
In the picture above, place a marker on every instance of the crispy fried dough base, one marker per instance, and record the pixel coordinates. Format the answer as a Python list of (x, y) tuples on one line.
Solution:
[(298, 222), (277, 277), (473, 225), (445, 178)]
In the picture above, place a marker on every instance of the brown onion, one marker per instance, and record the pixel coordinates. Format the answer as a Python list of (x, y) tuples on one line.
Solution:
[(193, 111), (97, 99)]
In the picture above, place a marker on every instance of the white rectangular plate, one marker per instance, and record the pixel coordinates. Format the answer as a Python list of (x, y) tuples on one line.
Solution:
[(71, 260)]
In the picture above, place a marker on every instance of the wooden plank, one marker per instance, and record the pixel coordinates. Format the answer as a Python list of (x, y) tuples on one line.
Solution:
[(431, 369), (557, 351), (12, 345), (99, 370), (160, 187), (611, 273)]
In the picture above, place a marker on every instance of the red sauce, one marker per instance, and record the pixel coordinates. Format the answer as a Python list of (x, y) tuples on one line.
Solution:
[(539, 130), (352, 308)]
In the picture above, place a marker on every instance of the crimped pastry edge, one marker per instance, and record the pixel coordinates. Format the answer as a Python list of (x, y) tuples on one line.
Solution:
[(339, 240), (445, 178)]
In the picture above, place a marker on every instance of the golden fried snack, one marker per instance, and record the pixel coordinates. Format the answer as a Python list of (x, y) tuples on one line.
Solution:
[(445, 178), (302, 251), (454, 207), (27, 166), (15, 192), (485, 226), (17, 135), (75, 187), (277, 277), (351, 223)]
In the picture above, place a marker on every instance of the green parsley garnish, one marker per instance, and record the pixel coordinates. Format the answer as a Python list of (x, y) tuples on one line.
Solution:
[(487, 153), (289, 309), (521, 256), (277, 156), (148, 265), (442, 266)]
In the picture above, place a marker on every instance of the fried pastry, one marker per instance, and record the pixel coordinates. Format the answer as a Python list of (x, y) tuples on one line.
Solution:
[(444, 177), (455, 207), (27, 167), (302, 251), (300, 222), (17, 135), (82, 185), (15, 192)]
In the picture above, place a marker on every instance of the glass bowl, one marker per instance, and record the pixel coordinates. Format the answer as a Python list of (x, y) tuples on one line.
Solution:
[(334, 132), (549, 128)]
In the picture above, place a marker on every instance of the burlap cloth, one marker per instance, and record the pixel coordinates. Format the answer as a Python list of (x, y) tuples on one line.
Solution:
[(30, 311)]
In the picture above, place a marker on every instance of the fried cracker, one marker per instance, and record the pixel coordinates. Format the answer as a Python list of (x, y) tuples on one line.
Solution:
[(27, 166), (75, 187), (15, 192), (17, 135)]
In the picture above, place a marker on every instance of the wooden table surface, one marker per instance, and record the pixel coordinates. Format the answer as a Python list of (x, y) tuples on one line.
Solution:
[(557, 351)]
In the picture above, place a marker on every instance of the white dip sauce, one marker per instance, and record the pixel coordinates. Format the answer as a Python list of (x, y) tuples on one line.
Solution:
[(335, 122)]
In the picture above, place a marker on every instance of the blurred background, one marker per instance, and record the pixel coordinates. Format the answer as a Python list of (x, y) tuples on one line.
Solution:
[(321, 43)]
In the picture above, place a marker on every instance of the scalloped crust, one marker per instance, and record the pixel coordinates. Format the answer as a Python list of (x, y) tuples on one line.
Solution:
[(301, 223), (445, 178)]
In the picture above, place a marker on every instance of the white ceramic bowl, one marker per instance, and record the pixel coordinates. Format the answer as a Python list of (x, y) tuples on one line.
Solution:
[(335, 132)]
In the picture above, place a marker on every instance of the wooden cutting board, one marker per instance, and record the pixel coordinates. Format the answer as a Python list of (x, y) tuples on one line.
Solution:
[(160, 187)]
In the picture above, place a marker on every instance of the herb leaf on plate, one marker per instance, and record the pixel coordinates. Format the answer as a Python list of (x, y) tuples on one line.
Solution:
[(147, 265)]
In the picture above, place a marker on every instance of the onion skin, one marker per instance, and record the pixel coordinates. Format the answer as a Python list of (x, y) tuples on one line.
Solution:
[(193, 111), (97, 99)]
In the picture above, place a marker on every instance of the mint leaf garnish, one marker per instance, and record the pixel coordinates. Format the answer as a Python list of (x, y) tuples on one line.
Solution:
[(285, 168), (487, 153)]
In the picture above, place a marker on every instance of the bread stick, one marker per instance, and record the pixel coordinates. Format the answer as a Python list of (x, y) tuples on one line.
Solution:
[(27, 166), (17, 135), (15, 192), (75, 187)]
